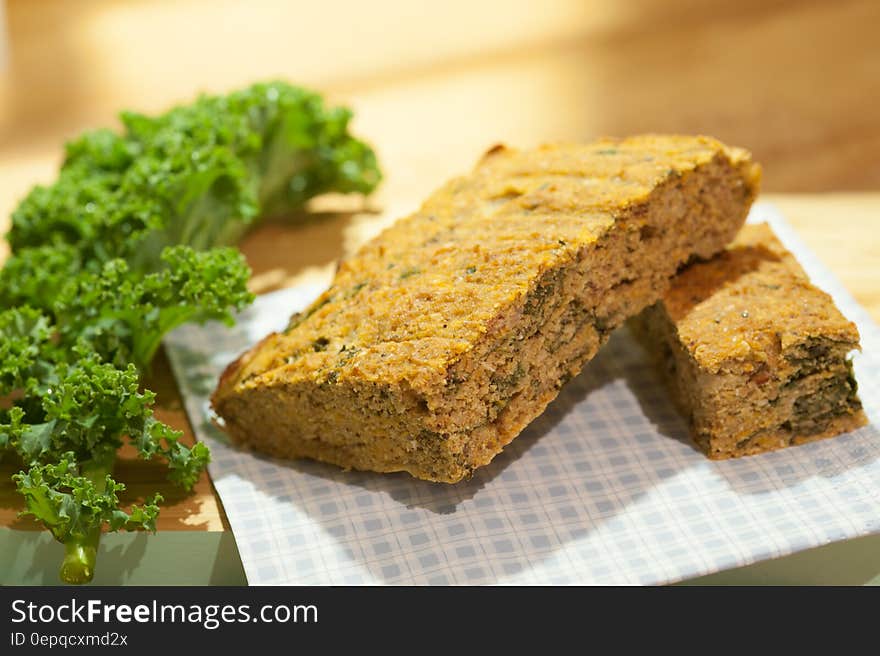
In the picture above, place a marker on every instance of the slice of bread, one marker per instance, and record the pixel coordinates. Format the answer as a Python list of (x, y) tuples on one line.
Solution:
[(755, 355)]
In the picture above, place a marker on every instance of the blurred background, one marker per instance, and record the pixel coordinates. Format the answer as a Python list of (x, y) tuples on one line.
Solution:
[(434, 84)]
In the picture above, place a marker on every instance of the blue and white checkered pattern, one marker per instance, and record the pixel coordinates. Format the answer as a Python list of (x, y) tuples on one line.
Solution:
[(604, 487)]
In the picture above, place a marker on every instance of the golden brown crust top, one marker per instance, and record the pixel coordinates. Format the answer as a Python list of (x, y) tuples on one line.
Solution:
[(750, 304), (425, 290)]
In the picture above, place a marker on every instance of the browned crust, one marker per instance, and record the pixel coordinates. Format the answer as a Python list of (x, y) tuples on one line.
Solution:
[(226, 382)]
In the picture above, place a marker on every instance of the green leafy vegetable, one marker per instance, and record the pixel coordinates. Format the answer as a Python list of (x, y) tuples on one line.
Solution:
[(126, 245), (75, 501), (35, 276), (198, 175), (124, 315), (85, 408), (25, 336)]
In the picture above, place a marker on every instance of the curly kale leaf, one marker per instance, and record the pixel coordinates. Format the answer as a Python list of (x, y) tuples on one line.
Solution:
[(88, 207), (198, 175), (69, 503), (35, 276), (25, 349), (75, 502), (185, 464), (124, 315)]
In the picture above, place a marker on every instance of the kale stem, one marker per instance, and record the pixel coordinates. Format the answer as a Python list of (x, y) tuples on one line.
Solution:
[(80, 553), (81, 549)]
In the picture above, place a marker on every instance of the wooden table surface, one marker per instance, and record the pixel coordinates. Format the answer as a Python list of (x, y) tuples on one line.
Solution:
[(434, 85)]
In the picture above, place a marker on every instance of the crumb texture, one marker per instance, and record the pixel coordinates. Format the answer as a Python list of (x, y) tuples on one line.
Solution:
[(443, 337)]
